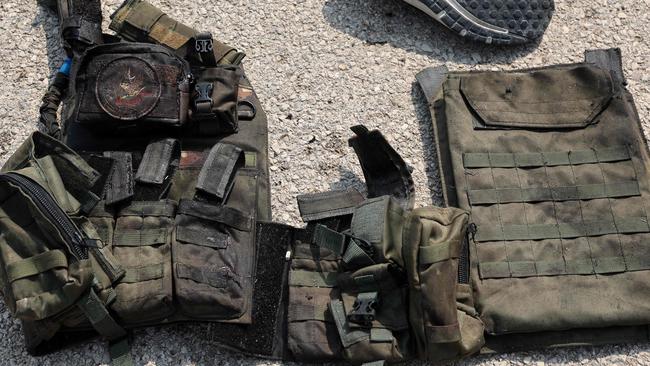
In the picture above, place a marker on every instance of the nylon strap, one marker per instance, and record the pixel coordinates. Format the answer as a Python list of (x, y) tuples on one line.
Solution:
[(157, 160), (431, 254), (566, 193), (623, 225), (369, 219), (218, 172), (312, 279), (318, 310), (140, 237), (223, 214), (99, 317), (145, 273), (553, 158), (599, 265), (107, 261), (203, 236), (37, 264), (348, 336), (119, 185), (165, 208), (327, 238), (318, 206), (217, 277), (609, 59), (385, 171)]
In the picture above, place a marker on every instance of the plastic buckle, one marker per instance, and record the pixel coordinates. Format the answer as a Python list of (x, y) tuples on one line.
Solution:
[(203, 42), (204, 91), (364, 309)]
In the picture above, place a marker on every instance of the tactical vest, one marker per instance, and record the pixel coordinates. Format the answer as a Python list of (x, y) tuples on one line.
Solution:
[(153, 207), (552, 166)]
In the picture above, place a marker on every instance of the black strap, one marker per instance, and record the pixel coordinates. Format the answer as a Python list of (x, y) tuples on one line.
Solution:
[(204, 47), (222, 214), (157, 159), (119, 186), (318, 206), (608, 59), (385, 171), (218, 172)]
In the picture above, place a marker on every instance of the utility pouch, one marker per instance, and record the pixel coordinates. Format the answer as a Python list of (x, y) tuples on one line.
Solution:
[(142, 243), (213, 261), (54, 271), (312, 334), (214, 100), (122, 85), (371, 315), (442, 315)]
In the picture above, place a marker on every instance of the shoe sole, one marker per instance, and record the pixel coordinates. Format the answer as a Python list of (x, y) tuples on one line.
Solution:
[(498, 22)]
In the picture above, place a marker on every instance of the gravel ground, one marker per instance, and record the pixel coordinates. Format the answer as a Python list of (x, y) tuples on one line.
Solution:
[(320, 66)]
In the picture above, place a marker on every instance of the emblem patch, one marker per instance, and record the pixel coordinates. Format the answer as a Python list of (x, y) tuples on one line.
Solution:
[(128, 88)]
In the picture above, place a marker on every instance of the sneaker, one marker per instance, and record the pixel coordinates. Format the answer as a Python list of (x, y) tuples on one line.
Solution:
[(499, 22)]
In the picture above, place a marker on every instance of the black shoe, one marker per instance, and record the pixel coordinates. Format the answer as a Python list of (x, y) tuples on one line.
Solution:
[(491, 21)]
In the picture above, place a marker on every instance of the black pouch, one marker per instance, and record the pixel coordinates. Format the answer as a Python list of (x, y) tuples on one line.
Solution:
[(215, 98), (126, 84)]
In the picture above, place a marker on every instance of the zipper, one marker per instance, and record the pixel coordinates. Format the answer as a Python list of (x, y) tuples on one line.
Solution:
[(463, 260), (74, 238)]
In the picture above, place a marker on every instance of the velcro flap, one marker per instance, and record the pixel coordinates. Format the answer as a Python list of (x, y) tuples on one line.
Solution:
[(156, 161), (216, 176), (542, 99), (318, 206)]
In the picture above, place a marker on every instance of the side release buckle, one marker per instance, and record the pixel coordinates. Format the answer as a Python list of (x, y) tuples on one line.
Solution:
[(203, 101), (203, 42), (364, 310)]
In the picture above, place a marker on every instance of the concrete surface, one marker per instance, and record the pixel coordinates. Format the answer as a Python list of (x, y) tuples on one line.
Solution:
[(320, 66)]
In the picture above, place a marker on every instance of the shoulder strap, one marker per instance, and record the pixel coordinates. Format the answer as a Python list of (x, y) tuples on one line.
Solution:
[(385, 171), (608, 59)]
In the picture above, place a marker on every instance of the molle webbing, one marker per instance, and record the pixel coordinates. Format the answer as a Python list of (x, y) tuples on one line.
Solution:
[(143, 273), (138, 21), (622, 225), (156, 161), (318, 206), (223, 214), (120, 185), (540, 194), (384, 169), (540, 159)]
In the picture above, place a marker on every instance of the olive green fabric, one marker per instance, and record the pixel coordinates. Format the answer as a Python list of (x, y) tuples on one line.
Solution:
[(48, 281), (553, 167), (442, 314), (140, 21)]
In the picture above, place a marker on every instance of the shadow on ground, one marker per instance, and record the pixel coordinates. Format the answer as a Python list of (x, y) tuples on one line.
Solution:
[(401, 25)]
